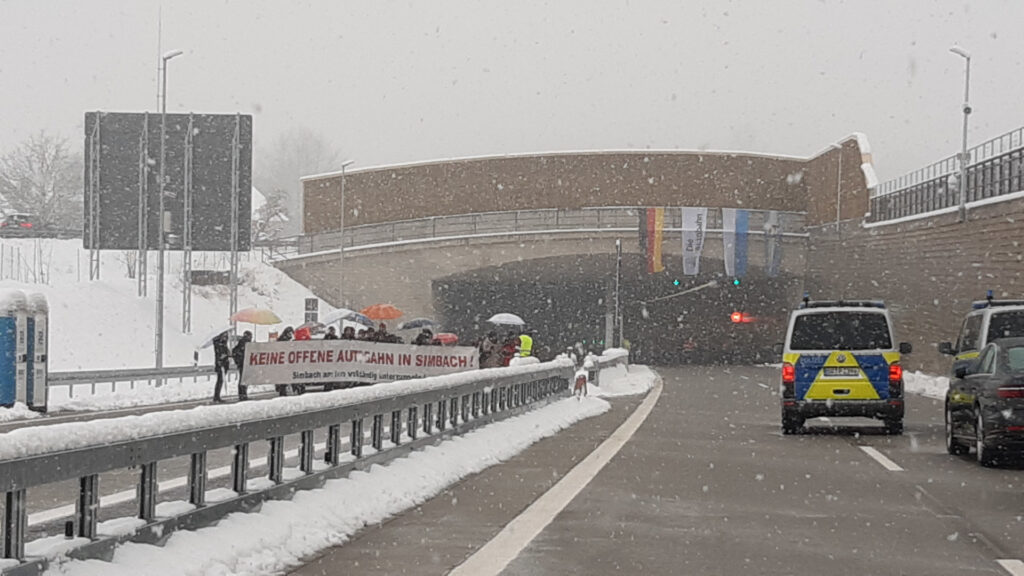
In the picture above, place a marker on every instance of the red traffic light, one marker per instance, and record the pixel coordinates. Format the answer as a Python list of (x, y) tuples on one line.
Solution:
[(741, 318)]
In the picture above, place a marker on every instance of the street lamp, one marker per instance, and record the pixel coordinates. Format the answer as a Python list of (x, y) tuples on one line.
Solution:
[(161, 218), (341, 237), (967, 112)]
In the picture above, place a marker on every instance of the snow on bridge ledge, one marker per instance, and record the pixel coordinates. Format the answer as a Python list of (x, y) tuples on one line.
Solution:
[(36, 441)]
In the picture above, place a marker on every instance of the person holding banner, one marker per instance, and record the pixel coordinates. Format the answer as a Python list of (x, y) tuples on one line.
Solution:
[(221, 362), (238, 354)]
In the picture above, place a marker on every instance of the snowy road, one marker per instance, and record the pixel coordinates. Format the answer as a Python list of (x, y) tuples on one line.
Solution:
[(708, 485)]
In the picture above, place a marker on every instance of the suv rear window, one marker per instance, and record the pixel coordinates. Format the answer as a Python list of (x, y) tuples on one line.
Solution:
[(1005, 325), (840, 331)]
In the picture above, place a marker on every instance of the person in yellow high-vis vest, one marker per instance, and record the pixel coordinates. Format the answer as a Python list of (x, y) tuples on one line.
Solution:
[(525, 345)]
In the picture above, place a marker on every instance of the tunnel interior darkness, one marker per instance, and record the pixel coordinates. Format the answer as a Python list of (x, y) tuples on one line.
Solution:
[(566, 300)]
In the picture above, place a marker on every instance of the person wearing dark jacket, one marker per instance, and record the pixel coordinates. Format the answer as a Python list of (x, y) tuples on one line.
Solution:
[(286, 335), (424, 338), (332, 334), (238, 355), (221, 362)]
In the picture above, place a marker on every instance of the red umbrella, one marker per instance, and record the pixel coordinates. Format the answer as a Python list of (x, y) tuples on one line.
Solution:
[(381, 312), (304, 334), (446, 338)]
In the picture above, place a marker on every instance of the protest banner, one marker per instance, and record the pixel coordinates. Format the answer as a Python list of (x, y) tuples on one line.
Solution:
[(325, 361)]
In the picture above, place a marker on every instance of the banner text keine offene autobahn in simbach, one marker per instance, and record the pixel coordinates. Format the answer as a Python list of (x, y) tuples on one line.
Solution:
[(323, 361)]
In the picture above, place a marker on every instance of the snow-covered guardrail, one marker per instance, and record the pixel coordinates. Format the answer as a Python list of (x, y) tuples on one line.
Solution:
[(607, 359), (130, 376), (402, 416)]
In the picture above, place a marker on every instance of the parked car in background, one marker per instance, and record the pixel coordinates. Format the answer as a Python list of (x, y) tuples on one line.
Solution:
[(19, 224)]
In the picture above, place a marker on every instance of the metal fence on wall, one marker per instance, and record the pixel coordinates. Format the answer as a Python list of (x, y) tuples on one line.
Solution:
[(528, 221), (995, 168)]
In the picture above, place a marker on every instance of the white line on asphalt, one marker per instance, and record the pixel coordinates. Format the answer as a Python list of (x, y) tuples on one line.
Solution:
[(765, 386), (1014, 567), (123, 496), (496, 554), (882, 459)]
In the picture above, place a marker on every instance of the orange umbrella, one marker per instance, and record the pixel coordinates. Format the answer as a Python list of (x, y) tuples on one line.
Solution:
[(381, 312), (256, 316)]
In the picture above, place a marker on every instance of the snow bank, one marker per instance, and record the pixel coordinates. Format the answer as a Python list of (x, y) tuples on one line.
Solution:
[(624, 380), (69, 436), (17, 412), (926, 384), (284, 533)]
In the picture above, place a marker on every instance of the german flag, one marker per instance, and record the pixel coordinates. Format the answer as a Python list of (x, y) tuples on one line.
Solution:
[(652, 225)]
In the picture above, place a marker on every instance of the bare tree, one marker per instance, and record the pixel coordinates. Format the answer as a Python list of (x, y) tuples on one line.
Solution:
[(296, 153), (42, 176), (270, 220)]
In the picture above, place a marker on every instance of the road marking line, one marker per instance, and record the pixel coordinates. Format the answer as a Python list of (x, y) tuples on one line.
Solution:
[(881, 459), (496, 554), (1014, 567)]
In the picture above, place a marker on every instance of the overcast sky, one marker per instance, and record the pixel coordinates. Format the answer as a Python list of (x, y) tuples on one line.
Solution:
[(390, 82)]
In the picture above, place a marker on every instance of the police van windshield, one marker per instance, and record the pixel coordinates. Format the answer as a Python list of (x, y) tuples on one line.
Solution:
[(1006, 325), (840, 331)]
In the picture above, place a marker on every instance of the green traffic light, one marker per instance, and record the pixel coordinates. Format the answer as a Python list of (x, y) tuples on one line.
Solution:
[(735, 281), (675, 282)]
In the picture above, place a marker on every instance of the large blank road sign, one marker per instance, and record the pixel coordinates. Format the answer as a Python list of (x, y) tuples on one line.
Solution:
[(122, 167)]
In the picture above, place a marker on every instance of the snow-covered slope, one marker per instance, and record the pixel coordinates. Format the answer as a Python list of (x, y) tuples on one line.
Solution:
[(104, 324)]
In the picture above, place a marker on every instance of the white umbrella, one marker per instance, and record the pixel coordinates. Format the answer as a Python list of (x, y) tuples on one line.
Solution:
[(506, 319), (208, 340)]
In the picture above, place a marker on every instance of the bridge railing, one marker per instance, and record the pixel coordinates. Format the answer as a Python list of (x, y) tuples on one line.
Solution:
[(483, 223), (608, 359), (994, 168), (75, 381), (407, 416)]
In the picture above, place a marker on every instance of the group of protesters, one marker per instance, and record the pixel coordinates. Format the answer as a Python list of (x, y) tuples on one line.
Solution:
[(224, 354), (495, 352)]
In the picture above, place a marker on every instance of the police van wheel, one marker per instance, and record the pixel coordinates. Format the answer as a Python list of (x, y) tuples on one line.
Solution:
[(894, 426), (791, 424)]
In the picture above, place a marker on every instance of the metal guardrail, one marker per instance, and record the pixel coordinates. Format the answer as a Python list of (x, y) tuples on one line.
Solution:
[(130, 376), (614, 217), (994, 168), (602, 362), (481, 397)]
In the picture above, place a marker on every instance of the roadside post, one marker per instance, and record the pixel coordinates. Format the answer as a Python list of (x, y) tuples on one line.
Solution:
[(39, 318)]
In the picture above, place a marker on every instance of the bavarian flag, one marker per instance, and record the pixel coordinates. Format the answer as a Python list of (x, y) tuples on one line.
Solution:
[(652, 225)]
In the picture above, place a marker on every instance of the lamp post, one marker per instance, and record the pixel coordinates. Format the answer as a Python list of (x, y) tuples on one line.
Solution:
[(341, 237), (161, 216), (967, 112)]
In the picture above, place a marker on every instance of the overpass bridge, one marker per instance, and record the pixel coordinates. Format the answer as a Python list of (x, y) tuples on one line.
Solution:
[(557, 269)]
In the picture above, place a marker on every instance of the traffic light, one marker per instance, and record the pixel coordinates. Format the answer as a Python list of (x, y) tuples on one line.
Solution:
[(675, 282), (741, 318), (735, 281)]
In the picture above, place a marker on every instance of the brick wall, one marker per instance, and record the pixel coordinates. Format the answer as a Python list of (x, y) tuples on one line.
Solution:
[(565, 180), (927, 270)]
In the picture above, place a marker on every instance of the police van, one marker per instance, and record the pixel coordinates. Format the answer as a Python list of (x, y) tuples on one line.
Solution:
[(988, 320), (840, 359)]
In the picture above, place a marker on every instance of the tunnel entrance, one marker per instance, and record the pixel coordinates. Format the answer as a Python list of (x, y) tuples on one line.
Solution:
[(668, 318)]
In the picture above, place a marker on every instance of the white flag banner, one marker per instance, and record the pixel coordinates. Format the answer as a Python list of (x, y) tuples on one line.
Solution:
[(729, 240), (694, 228), (735, 230), (323, 361)]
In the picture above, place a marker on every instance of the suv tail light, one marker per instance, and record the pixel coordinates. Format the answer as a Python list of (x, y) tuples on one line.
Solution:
[(26, 224), (895, 380), (788, 380), (1010, 392)]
